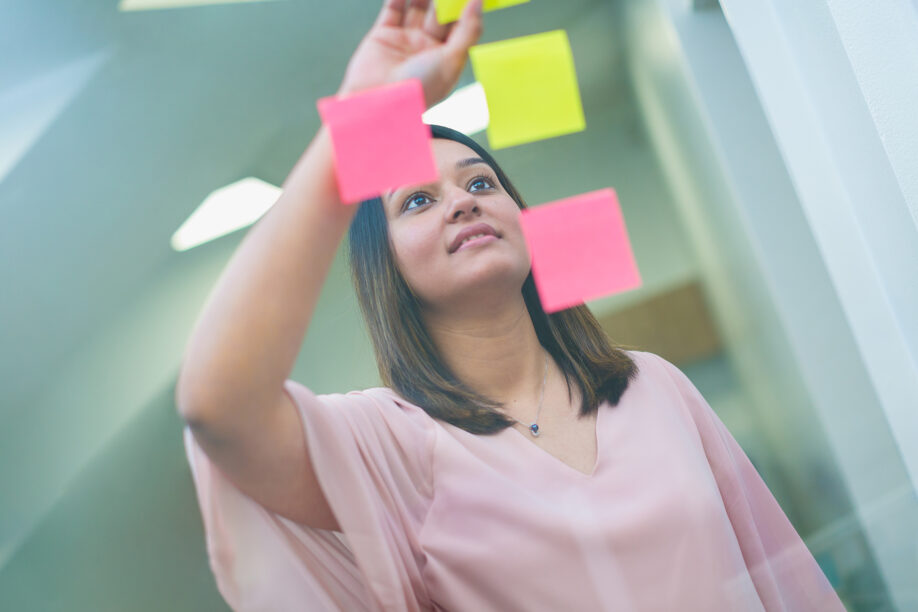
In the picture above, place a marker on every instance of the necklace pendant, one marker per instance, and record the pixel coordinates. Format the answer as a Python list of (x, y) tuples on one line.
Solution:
[(534, 430)]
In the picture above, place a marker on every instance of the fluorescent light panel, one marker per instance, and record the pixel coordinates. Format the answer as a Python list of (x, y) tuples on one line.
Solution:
[(226, 210), (149, 5), (466, 110)]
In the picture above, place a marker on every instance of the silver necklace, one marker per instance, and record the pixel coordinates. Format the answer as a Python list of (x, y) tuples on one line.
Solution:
[(534, 426)]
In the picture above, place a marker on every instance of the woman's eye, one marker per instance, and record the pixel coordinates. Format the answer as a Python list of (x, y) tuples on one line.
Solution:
[(419, 198), (480, 183)]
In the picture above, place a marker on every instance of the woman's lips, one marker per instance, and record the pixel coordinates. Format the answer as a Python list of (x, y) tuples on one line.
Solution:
[(475, 242), (469, 231)]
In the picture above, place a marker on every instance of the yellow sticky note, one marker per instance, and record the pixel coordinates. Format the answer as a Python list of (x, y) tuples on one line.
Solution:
[(450, 10), (531, 88)]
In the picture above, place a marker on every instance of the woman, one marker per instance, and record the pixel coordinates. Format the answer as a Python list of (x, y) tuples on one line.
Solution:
[(513, 461)]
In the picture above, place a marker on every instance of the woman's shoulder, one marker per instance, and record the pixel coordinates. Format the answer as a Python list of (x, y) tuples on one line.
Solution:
[(657, 372), (654, 368), (383, 402), (643, 357), (384, 396)]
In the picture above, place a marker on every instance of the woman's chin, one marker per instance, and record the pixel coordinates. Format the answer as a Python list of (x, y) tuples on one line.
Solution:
[(486, 287), (473, 281)]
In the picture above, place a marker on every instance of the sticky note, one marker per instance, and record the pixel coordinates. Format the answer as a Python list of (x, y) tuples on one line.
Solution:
[(379, 140), (579, 248), (531, 87), (450, 10)]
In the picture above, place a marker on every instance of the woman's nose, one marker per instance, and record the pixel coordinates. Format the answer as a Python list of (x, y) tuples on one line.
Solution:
[(460, 202)]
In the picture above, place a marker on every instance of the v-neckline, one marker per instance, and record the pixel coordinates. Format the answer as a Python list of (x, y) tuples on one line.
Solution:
[(563, 465)]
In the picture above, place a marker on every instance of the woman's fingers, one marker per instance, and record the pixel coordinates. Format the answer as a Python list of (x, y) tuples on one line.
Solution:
[(417, 10), (466, 32), (434, 27), (392, 13)]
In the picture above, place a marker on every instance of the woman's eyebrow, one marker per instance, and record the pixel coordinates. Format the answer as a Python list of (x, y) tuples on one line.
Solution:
[(462, 163), (470, 161)]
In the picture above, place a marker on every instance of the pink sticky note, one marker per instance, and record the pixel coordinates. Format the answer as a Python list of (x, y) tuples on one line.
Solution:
[(579, 249), (379, 140)]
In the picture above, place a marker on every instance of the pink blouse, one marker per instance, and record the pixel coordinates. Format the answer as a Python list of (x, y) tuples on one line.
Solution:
[(673, 516)]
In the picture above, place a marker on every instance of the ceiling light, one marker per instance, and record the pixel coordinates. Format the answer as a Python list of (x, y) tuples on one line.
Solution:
[(226, 210), (466, 110), (149, 5)]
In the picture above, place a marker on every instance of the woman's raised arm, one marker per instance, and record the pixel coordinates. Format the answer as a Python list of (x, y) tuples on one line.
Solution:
[(246, 339)]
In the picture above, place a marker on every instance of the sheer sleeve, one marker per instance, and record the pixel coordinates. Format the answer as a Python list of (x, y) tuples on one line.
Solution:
[(372, 456), (785, 574)]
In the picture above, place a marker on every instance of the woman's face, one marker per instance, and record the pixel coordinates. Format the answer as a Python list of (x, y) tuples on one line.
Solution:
[(428, 225)]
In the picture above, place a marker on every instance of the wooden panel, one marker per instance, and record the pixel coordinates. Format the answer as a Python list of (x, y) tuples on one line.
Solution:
[(674, 324)]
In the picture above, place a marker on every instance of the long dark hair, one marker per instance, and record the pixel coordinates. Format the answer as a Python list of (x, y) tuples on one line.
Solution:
[(410, 363)]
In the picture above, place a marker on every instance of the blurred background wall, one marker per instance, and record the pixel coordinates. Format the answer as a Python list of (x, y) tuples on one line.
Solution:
[(764, 155)]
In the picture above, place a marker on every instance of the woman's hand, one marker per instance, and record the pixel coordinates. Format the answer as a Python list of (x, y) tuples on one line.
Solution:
[(407, 42)]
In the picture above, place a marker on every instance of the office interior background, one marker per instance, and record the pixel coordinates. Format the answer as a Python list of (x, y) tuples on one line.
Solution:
[(765, 155)]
